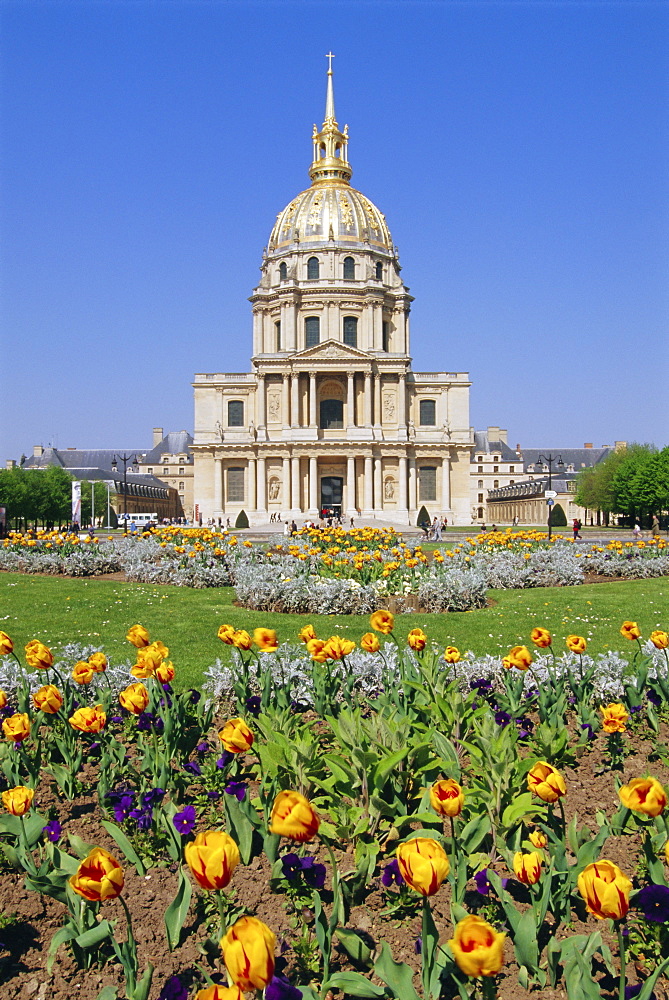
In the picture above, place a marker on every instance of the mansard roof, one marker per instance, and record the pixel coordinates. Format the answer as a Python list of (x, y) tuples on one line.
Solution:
[(174, 443)]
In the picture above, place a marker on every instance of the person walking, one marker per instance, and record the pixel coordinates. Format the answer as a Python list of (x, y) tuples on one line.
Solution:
[(656, 526), (636, 531), (576, 528)]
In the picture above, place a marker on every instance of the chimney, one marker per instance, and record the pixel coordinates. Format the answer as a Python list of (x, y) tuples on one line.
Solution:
[(493, 434), (38, 451), (10, 463), (518, 451), (157, 436), (503, 435), (588, 444), (619, 445)]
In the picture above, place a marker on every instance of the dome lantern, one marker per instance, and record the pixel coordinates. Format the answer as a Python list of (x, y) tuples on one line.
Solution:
[(330, 144)]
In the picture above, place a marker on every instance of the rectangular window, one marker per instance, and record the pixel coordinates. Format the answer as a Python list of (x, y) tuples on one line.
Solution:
[(480, 498), (351, 331), (235, 413), (512, 468), (166, 471), (428, 413), (480, 468), (149, 472), (495, 468), (480, 484), (277, 328), (312, 331), (181, 486), (385, 326), (235, 485), (427, 484), (181, 471)]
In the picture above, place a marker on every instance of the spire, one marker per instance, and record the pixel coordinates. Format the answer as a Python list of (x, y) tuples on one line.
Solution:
[(329, 99), (330, 164)]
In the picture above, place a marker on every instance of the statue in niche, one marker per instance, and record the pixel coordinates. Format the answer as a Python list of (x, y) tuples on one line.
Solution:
[(274, 407), (219, 429), (446, 432), (412, 431), (252, 430), (389, 407), (274, 488), (389, 489)]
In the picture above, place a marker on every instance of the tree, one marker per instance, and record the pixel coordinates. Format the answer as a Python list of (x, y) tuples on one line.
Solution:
[(558, 516), (35, 495)]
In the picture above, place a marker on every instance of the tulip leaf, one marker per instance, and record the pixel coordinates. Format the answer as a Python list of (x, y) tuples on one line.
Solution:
[(48, 885), (396, 975), (525, 941), (176, 912), (353, 984), (241, 828), (67, 933), (129, 851), (95, 935), (354, 946), (108, 993), (523, 805), (79, 846), (474, 832), (647, 988)]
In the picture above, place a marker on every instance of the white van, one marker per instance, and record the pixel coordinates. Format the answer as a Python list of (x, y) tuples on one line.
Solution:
[(140, 520)]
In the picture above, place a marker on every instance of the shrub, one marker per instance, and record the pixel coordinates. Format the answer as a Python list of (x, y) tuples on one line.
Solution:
[(558, 517), (243, 521), (423, 517)]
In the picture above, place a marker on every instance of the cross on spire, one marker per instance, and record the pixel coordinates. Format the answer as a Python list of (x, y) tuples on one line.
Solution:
[(330, 56)]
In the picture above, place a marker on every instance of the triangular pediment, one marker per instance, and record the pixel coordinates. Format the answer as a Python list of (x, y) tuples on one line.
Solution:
[(332, 349)]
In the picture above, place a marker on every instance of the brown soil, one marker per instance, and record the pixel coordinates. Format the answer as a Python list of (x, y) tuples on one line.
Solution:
[(29, 920)]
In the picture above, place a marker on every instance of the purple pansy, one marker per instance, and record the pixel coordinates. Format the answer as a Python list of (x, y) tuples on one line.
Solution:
[(173, 989), (52, 830), (392, 874), (184, 821), (278, 988), (653, 901), (236, 788)]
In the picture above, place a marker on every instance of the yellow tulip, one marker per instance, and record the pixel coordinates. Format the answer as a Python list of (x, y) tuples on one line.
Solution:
[(546, 782), (83, 672), (452, 654), (644, 795), (527, 867), (417, 639), (630, 630), (212, 858), (6, 644), (614, 717), (518, 657), (477, 947), (225, 634), (423, 864), (138, 636), (576, 643), (265, 639), (447, 797), (38, 655), (370, 643), (605, 890), (48, 699), (538, 838), (248, 953), (659, 639), (294, 817), (541, 637), (98, 877), (307, 633), (236, 736), (16, 727), (382, 621), (134, 699), (241, 639), (89, 720), (18, 800), (98, 661)]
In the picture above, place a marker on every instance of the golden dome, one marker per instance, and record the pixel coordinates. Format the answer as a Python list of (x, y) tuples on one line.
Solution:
[(330, 210)]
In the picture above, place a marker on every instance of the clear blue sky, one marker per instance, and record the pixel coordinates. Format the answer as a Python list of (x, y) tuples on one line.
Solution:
[(518, 150)]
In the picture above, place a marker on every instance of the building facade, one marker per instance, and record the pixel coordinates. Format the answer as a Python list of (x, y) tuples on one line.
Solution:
[(493, 465), (332, 414), (171, 461)]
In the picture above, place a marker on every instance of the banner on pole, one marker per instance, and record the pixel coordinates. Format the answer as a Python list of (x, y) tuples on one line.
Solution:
[(76, 502)]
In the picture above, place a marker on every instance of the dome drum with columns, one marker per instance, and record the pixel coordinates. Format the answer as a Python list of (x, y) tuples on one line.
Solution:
[(332, 414)]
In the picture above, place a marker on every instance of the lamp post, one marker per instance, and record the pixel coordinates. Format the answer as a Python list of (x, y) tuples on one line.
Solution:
[(125, 459), (548, 460)]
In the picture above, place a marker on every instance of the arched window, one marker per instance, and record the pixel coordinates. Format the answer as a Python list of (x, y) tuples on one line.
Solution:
[(480, 484), (313, 268), (283, 271), (385, 326), (332, 414), (235, 413), (427, 484), (428, 413), (235, 485), (379, 271), (351, 331), (349, 268), (312, 331), (277, 330)]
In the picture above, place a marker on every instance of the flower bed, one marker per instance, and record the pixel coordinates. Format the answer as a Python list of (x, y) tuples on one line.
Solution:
[(509, 815)]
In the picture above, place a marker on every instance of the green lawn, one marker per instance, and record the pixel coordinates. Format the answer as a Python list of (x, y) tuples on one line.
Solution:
[(99, 612)]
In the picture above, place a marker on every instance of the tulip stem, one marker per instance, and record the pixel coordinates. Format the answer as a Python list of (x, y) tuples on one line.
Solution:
[(489, 988), (623, 960)]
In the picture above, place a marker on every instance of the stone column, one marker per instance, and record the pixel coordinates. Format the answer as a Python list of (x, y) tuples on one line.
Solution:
[(218, 484), (403, 483), (413, 492), (378, 484), (261, 400), (446, 483), (313, 484), (285, 483), (350, 401), (285, 403), (295, 401), (369, 484), (312, 400), (402, 403), (252, 484), (350, 485), (368, 399), (295, 498), (261, 492), (377, 400)]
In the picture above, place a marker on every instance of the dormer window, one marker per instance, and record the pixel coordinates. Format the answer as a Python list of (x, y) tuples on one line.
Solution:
[(313, 268), (283, 271), (349, 269)]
